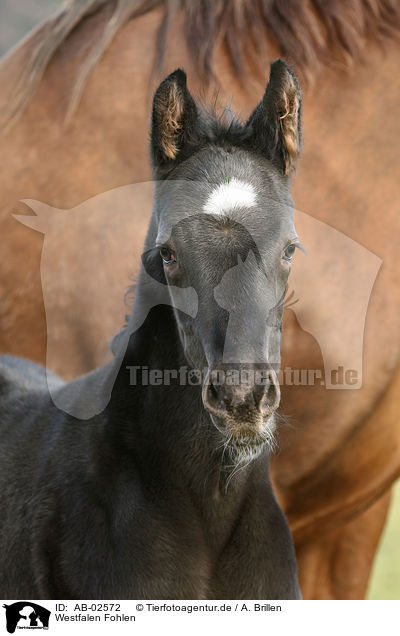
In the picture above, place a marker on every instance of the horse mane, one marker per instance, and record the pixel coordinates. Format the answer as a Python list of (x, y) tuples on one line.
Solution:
[(310, 34)]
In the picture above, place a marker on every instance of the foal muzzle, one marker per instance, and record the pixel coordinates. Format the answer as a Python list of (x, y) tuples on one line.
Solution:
[(241, 400)]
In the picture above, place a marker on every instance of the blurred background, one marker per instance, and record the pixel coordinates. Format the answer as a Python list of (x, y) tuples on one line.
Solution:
[(16, 19), (385, 580)]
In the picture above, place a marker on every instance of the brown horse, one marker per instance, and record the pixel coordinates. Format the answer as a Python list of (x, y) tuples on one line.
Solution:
[(74, 111)]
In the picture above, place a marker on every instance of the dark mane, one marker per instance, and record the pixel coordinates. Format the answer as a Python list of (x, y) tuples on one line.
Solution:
[(310, 34)]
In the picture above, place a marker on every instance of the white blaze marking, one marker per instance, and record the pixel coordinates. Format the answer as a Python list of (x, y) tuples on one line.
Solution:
[(232, 194)]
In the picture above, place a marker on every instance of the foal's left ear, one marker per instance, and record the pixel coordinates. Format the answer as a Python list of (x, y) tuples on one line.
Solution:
[(276, 122), (173, 121)]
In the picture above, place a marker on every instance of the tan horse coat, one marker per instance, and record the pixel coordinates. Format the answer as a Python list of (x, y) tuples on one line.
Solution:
[(340, 457)]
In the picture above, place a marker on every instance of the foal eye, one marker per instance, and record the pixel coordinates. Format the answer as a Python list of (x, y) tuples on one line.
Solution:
[(287, 254), (167, 255)]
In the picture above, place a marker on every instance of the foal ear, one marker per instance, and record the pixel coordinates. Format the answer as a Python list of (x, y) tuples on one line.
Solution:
[(174, 119), (276, 122)]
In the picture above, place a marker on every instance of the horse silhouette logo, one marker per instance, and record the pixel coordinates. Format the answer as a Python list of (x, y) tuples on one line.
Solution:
[(26, 615), (74, 267)]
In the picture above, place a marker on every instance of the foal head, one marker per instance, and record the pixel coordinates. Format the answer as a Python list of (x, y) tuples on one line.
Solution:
[(223, 225)]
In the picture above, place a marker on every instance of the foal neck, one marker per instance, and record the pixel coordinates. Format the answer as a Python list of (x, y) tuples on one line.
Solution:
[(169, 431)]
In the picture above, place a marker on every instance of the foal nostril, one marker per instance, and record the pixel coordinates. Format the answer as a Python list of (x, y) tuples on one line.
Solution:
[(213, 397), (272, 394)]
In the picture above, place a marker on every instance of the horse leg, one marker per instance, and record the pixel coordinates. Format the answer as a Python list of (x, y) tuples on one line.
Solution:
[(337, 565)]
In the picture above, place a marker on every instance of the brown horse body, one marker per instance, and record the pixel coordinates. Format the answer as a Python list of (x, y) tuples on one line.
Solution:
[(338, 461)]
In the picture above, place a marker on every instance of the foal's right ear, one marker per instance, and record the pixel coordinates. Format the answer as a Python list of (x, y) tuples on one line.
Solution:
[(173, 121)]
